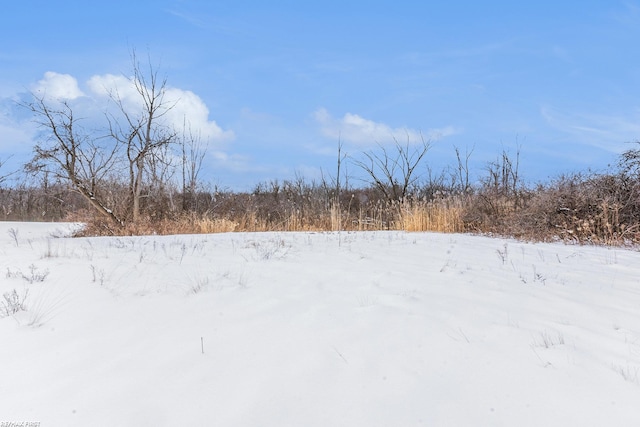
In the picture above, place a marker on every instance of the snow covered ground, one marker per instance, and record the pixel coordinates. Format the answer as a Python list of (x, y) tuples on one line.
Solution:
[(316, 329)]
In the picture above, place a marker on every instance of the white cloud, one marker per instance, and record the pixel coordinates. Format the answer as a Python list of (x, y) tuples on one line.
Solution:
[(185, 105), (357, 130), (190, 106), (57, 86), (105, 84)]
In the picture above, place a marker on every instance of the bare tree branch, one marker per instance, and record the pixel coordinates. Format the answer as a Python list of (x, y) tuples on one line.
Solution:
[(69, 153), (6, 174), (393, 173)]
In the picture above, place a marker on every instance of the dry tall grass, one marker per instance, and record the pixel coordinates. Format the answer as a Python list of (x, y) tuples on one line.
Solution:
[(439, 215), (442, 215), (188, 224)]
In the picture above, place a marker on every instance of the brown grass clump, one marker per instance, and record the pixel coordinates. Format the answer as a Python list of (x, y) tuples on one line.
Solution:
[(440, 215), (187, 224)]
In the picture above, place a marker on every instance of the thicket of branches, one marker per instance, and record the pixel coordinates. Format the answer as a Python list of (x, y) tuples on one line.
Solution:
[(581, 207), (139, 175)]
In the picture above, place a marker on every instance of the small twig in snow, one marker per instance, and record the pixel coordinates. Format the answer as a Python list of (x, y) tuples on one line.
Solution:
[(341, 356)]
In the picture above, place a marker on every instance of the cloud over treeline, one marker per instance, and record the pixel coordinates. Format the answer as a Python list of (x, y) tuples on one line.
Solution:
[(359, 131), (185, 108)]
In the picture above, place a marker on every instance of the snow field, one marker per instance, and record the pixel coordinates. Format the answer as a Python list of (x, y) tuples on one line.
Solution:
[(316, 329)]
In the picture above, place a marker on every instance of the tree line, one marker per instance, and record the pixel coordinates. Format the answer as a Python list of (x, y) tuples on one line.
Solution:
[(140, 174)]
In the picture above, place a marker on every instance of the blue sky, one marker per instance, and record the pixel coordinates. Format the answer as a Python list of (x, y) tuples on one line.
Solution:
[(273, 84)]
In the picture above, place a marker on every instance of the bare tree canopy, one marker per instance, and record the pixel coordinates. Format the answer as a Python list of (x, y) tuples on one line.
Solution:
[(142, 133), (393, 171), (136, 140), (70, 153)]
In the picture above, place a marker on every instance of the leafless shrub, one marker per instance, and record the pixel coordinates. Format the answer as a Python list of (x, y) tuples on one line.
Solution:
[(35, 275), (12, 303), (13, 232), (582, 208), (500, 197)]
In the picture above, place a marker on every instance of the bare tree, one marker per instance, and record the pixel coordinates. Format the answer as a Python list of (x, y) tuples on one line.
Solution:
[(161, 184), (137, 141), (142, 133), (193, 154), (331, 185), (393, 172), (503, 174), (503, 183), (462, 170), (70, 153)]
